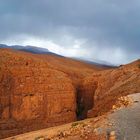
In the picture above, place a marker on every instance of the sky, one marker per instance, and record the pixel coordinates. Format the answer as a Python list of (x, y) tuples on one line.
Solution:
[(107, 30)]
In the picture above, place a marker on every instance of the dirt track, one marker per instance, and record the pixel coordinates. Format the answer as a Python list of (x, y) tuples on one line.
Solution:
[(126, 121)]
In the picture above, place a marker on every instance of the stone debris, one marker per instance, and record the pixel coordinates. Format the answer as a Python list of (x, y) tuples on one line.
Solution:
[(122, 102), (112, 135), (77, 131)]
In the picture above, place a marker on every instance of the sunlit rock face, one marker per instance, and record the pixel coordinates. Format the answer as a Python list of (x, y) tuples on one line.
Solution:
[(106, 86), (33, 95), (39, 91)]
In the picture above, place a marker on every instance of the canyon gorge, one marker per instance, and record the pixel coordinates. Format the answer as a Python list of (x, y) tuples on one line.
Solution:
[(43, 90)]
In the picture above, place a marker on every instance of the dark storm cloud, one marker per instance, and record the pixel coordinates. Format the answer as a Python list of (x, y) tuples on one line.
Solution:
[(110, 24)]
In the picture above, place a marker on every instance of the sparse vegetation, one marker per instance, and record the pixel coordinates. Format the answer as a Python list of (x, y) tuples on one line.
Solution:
[(39, 138), (74, 124), (139, 66)]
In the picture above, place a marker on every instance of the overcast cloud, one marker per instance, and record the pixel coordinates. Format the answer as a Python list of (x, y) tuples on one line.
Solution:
[(107, 30)]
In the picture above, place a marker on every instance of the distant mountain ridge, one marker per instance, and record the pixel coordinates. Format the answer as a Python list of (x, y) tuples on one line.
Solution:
[(28, 48), (95, 62), (39, 50)]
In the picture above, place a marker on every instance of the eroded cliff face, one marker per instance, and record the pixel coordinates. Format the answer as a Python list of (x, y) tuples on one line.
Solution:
[(32, 95), (38, 91), (106, 86)]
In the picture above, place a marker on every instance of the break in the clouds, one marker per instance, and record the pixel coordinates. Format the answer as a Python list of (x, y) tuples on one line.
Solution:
[(106, 30)]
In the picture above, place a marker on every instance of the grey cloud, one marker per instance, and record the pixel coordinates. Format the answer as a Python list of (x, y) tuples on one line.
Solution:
[(108, 24)]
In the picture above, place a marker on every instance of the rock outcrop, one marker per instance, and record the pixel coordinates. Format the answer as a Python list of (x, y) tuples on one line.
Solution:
[(33, 95), (103, 88), (38, 91)]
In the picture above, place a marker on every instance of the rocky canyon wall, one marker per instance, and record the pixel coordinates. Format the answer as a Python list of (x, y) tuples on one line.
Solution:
[(110, 84), (32, 95), (39, 91)]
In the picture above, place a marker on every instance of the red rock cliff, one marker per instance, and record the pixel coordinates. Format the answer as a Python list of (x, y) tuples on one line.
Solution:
[(38, 91), (106, 86), (32, 95)]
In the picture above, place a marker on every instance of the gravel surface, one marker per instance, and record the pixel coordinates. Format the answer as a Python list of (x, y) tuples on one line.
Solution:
[(126, 121)]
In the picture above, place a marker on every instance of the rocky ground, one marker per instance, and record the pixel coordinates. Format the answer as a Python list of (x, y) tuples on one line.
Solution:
[(89, 129), (121, 123)]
